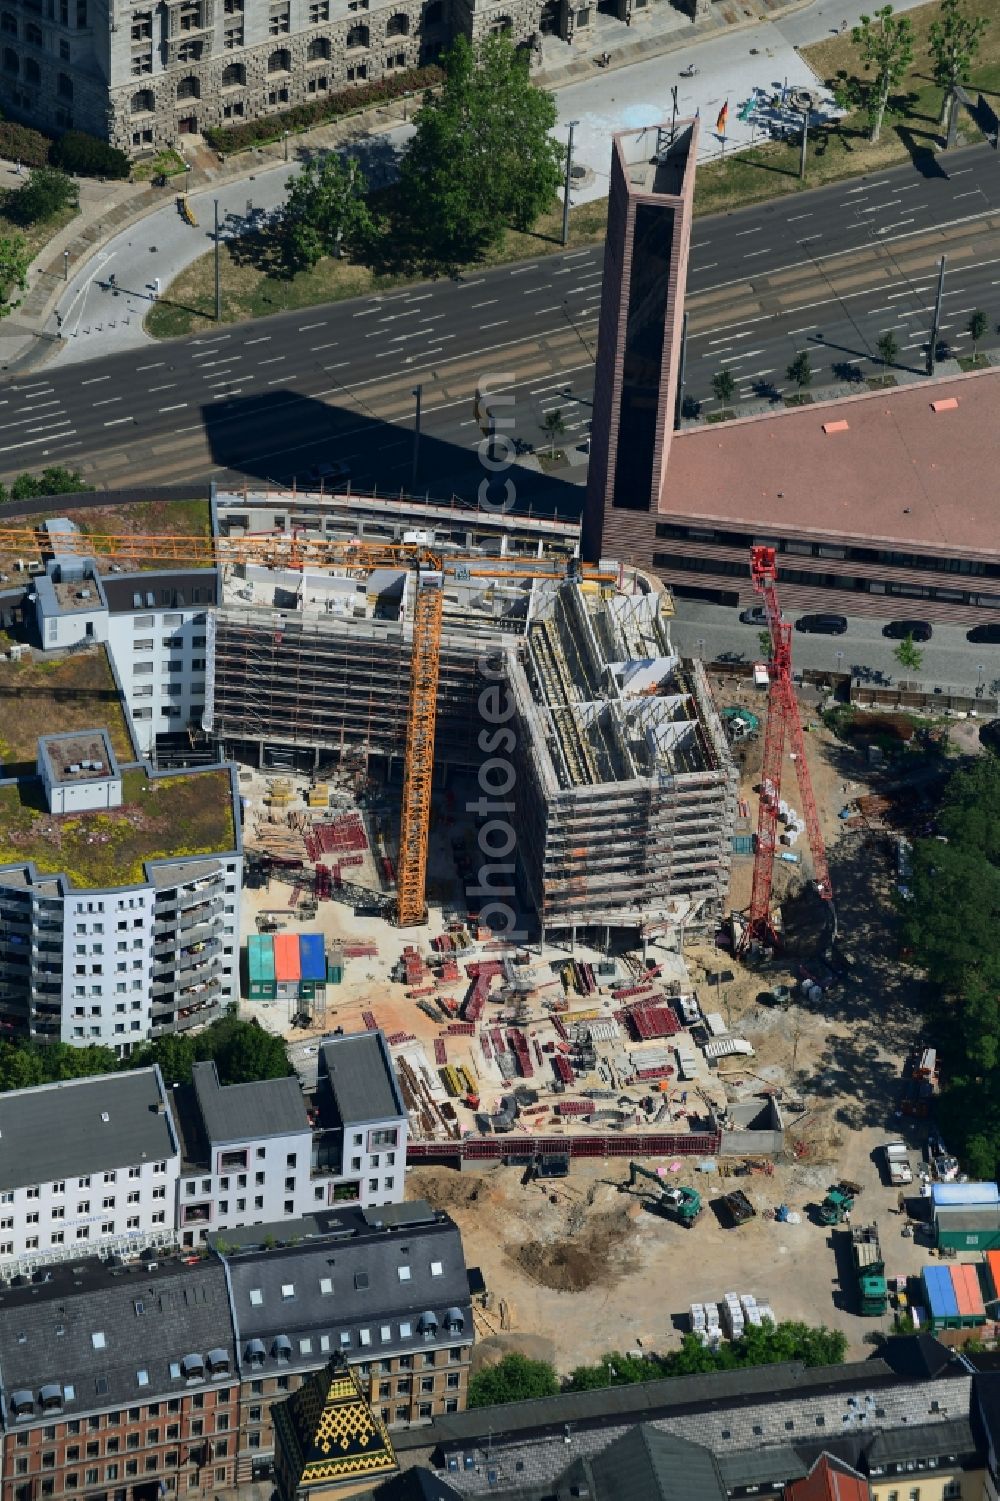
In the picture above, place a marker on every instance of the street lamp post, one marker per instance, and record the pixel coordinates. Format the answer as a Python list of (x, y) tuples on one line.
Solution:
[(218, 282), (700, 644), (980, 690), (840, 662), (569, 171), (284, 135), (417, 392), (65, 265)]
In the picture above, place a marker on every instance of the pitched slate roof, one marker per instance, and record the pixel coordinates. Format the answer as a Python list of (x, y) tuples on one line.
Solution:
[(56, 1131), (351, 1287), (96, 1332), (356, 1079), (245, 1112)]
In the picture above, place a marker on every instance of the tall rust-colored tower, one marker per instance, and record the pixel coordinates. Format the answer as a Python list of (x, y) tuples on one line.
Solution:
[(639, 335)]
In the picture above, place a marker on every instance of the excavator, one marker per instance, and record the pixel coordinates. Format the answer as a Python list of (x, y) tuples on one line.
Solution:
[(683, 1205)]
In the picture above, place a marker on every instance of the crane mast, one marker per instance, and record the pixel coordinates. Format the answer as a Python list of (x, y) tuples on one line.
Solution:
[(783, 724), (427, 570)]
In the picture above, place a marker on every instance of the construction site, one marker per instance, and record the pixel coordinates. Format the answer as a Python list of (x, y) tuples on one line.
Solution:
[(625, 788)]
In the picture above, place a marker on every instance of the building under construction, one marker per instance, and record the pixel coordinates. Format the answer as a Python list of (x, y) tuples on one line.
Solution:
[(625, 789)]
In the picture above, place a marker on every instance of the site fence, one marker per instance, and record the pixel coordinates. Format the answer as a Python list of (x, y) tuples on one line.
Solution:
[(526, 1148)]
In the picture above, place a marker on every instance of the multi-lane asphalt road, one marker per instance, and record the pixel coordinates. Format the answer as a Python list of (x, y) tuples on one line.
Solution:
[(827, 270), (948, 661)]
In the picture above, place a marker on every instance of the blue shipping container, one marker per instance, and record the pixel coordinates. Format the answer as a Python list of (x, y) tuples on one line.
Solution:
[(312, 957), (964, 1193), (940, 1290)]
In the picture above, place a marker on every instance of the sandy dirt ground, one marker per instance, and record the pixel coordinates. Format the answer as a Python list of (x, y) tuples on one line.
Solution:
[(580, 1267)]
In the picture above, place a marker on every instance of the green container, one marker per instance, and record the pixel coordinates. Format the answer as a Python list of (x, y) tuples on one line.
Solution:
[(261, 985), (335, 974)]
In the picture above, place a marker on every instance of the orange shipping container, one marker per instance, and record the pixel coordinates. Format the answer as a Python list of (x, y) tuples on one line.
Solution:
[(286, 958), (967, 1294)]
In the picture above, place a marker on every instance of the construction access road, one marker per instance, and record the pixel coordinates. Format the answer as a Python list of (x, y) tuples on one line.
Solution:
[(828, 271)]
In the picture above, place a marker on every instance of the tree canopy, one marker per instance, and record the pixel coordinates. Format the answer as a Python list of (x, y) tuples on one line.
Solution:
[(326, 211), (482, 157), (950, 923), (885, 42), (242, 1051), (767, 1345), (954, 42), (513, 1379)]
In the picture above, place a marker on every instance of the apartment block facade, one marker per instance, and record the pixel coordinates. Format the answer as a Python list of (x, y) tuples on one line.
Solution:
[(87, 963), (118, 1384), (155, 627), (87, 1164)]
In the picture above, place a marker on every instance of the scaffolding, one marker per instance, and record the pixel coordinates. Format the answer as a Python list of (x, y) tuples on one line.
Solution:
[(627, 788)]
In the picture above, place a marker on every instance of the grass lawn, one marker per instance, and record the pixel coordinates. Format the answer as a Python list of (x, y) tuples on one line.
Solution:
[(160, 818), (37, 235), (75, 692), (166, 163), (910, 130)]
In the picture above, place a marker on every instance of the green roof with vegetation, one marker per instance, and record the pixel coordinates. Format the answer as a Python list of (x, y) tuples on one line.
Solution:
[(161, 818), (52, 696)]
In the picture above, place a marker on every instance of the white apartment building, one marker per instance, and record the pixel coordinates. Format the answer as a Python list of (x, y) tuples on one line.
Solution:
[(248, 1154), (252, 1156), (87, 962), (362, 1119), (86, 1165), (155, 628)]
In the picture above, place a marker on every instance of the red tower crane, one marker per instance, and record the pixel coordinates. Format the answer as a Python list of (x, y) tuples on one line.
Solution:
[(783, 723)]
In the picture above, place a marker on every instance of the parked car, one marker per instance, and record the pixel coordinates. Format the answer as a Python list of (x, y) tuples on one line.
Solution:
[(822, 625), (329, 474), (754, 615), (987, 634), (898, 630)]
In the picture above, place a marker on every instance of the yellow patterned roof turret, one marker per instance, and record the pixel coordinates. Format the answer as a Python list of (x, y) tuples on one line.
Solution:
[(328, 1432)]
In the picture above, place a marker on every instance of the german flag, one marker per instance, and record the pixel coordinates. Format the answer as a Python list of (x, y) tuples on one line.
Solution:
[(720, 123)]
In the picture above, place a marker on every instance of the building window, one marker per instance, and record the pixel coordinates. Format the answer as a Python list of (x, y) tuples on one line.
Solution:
[(318, 50), (234, 76), (189, 88), (357, 36), (280, 61), (397, 25), (279, 21)]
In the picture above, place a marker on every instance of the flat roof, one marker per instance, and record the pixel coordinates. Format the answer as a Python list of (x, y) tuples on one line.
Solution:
[(82, 1126), (84, 756), (161, 818), (53, 695), (899, 471)]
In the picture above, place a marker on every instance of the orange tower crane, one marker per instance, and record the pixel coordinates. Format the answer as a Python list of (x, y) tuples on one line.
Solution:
[(427, 568), (783, 722)]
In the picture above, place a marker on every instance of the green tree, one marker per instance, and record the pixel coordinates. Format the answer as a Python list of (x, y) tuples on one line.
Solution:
[(977, 326), (909, 655), (327, 210), (885, 42), (20, 1067), (482, 157), (243, 1051), (888, 348), (15, 258), (513, 1379), (553, 427), (174, 1053), (800, 370), (954, 43), (46, 193), (764, 637), (724, 386), (55, 480)]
